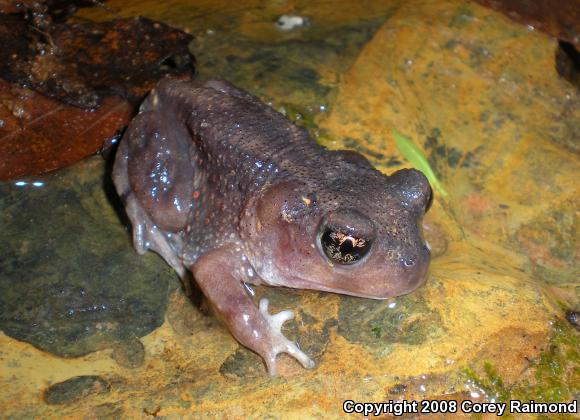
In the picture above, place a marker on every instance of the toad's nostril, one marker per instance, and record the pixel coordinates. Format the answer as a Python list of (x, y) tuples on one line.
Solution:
[(429, 199), (408, 261)]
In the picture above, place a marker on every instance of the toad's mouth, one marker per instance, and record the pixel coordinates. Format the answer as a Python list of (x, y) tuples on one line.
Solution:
[(381, 293)]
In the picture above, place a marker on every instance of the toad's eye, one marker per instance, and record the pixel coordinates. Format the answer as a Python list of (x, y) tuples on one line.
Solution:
[(343, 248)]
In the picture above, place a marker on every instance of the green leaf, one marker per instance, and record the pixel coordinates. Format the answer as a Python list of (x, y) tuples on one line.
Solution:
[(415, 156)]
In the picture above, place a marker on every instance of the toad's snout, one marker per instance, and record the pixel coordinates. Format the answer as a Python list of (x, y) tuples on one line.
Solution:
[(413, 269)]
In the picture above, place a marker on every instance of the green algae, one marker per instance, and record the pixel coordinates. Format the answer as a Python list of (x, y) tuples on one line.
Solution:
[(556, 372), (299, 116), (490, 382)]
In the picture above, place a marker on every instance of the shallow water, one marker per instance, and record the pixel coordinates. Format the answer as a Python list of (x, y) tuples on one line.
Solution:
[(478, 93)]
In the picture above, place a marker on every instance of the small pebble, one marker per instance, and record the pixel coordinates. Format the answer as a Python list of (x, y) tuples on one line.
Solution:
[(129, 354), (290, 22), (398, 389), (74, 389), (573, 318)]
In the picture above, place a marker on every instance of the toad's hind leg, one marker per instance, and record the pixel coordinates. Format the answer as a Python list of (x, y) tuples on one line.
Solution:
[(154, 176)]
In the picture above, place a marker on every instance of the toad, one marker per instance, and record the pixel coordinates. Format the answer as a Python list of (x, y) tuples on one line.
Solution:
[(220, 184)]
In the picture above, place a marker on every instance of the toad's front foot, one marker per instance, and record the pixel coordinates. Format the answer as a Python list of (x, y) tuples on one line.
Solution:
[(253, 327), (279, 343)]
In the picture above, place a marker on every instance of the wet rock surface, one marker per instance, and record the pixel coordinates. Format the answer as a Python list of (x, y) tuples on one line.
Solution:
[(70, 282), (378, 325)]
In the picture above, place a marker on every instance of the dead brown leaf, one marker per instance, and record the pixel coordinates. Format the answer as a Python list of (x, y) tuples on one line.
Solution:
[(92, 75), (80, 64), (55, 8), (39, 134), (13, 6)]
